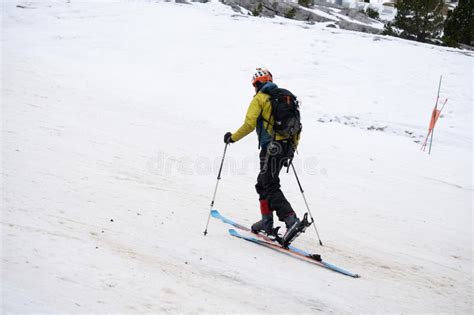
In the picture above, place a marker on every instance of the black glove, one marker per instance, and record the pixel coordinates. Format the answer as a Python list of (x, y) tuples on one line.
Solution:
[(291, 153), (228, 138), (289, 157)]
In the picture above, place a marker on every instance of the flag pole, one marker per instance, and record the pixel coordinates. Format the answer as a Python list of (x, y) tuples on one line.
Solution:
[(436, 107)]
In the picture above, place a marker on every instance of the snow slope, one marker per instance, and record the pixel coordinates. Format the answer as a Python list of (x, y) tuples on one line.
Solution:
[(112, 121)]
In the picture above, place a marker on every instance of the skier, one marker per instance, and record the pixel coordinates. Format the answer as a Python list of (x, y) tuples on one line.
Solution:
[(277, 150)]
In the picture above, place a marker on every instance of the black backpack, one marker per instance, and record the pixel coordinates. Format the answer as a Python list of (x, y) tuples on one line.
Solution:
[(285, 112)]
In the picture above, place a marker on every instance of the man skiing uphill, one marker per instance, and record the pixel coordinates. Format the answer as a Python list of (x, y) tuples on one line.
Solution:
[(274, 113)]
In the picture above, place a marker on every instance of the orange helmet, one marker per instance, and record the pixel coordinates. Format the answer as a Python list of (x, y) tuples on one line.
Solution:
[(262, 75)]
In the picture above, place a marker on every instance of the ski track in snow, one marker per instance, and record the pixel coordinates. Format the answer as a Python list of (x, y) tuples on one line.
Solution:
[(112, 122)]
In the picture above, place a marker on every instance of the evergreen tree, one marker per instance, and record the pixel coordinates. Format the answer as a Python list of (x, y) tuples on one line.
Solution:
[(373, 14), (421, 20), (258, 9), (291, 13), (306, 3), (459, 25)]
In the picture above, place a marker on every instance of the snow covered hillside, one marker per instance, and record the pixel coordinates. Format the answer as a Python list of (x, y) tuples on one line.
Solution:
[(112, 118)]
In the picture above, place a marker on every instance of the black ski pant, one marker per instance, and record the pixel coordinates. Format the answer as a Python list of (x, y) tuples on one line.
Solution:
[(272, 158)]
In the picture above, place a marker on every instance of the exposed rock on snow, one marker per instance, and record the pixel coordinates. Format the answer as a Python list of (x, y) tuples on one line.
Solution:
[(345, 18), (357, 122)]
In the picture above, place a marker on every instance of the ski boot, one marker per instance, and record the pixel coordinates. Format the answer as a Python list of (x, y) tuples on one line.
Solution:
[(294, 227), (264, 225)]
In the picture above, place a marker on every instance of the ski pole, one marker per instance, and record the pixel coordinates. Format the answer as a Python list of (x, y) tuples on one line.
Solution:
[(307, 207), (215, 190)]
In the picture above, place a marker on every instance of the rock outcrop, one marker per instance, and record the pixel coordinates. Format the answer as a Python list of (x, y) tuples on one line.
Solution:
[(343, 18)]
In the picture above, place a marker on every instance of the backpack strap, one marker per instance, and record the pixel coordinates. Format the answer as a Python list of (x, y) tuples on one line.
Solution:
[(272, 93), (260, 119)]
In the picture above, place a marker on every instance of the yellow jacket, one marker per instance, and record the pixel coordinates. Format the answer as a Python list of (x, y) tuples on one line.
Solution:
[(259, 117)]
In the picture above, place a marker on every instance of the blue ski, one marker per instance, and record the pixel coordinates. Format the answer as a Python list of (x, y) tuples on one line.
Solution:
[(269, 243), (216, 214), (298, 254)]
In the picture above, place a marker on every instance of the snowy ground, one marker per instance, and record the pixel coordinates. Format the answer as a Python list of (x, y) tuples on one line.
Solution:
[(112, 121)]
